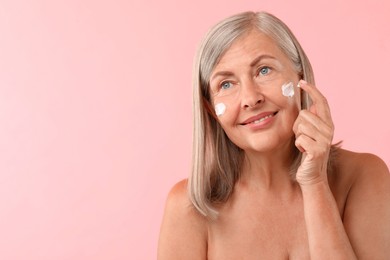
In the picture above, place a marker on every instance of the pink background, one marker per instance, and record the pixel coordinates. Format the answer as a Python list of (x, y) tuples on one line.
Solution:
[(95, 110)]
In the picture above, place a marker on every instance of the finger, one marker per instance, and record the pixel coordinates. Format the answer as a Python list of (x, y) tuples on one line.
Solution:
[(319, 101), (316, 121), (307, 118), (304, 142), (311, 147), (312, 132)]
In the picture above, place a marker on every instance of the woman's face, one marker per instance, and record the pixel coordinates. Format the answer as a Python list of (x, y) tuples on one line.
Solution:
[(248, 82)]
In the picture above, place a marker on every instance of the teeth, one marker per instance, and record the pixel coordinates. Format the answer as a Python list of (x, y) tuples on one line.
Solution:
[(262, 119)]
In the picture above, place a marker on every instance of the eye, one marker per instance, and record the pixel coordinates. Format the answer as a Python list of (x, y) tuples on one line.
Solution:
[(264, 71), (226, 85)]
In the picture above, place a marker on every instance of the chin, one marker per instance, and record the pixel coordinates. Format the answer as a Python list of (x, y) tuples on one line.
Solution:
[(266, 144)]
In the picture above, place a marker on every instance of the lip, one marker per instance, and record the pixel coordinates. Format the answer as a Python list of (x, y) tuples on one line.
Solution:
[(265, 122)]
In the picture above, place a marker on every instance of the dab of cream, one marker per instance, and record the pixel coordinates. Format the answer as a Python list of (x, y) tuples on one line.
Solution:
[(288, 89), (220, 109)]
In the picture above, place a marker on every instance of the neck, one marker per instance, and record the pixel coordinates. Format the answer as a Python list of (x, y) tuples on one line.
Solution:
[(269, 170)]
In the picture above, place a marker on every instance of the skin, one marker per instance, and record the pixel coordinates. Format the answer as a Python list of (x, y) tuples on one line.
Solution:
[(345, 215)]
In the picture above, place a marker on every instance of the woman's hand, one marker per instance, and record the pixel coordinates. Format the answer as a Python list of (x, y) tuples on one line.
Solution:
[(313, 130)]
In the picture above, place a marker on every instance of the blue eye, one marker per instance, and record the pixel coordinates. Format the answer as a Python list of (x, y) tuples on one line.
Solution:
[(264, 71), (226, 85)]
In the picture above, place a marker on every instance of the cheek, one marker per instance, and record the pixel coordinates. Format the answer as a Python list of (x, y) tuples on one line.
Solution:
[(220, 109), (290, 95), (288, 89), (228, 119), (226, 107)]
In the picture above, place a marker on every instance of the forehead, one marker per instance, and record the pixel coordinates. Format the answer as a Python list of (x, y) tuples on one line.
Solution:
[(250, 45)]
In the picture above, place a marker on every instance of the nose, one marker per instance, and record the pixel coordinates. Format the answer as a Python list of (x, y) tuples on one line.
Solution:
[(251, 95)]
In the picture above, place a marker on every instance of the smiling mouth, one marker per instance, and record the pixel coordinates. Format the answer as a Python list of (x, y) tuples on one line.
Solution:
[(257, 121)]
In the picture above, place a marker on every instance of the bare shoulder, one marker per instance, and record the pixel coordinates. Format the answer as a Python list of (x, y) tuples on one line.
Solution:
[(364, 161), (177, 196), (179, 205), (368, 175), (183, 233), (352, 167), (367, 208)]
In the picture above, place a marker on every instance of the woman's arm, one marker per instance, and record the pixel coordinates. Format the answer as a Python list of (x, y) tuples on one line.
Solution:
[(314, 133), (183, 233), (327, 236)]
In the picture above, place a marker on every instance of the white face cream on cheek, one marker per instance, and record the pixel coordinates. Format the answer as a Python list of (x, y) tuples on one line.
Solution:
[(220, 109), (288, 89)]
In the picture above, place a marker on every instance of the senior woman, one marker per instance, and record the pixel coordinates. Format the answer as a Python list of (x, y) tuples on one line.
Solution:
[(266, 181)]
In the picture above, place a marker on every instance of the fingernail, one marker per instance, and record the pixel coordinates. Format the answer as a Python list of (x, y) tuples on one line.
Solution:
[(302, 82)]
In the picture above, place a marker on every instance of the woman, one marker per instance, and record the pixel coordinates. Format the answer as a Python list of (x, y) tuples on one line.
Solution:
[(266, 182)]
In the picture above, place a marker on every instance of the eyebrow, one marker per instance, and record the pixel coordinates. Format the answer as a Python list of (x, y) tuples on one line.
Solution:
[(252, 64), (260, 57)]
